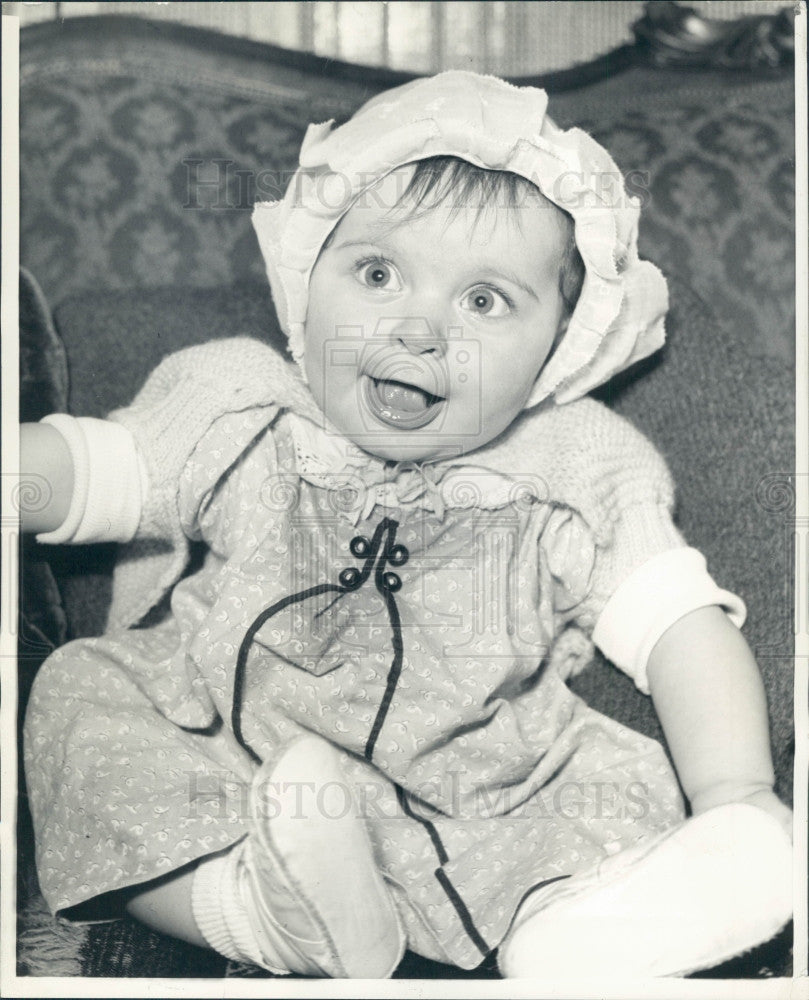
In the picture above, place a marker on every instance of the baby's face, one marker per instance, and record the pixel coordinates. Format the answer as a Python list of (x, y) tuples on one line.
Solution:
[(426, 329)]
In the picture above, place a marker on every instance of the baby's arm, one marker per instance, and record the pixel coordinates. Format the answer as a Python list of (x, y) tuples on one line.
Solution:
[(709, 696), (46, 464), (131, 481), (86, 475)]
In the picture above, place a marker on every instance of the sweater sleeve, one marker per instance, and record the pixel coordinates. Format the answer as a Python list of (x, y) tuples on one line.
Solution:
[(622, 571), (597, 464), (180, 404)]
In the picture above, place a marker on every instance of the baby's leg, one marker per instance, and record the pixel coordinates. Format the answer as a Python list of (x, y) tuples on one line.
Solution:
[(301, 893), (165, 906)]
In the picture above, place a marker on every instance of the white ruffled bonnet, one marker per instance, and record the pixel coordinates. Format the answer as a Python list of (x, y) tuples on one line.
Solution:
[(619, 317)]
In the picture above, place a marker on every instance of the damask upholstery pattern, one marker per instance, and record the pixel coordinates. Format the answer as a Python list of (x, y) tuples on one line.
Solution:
[(129, 182), (142, 156), (713, 162)]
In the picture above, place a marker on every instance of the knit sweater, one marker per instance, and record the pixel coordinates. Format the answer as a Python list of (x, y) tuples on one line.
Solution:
[(578, 456), (132, 471)]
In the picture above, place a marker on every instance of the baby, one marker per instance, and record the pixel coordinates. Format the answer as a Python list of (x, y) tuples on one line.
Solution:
[(352, 733)]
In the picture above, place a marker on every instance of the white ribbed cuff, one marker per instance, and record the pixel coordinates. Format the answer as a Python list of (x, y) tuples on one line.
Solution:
[(650, 600), (109, 481)]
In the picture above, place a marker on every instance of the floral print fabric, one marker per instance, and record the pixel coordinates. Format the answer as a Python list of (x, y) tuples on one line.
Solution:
[(479, 773)]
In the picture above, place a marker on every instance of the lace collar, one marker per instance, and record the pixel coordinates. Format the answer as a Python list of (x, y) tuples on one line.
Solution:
[(359, 481)]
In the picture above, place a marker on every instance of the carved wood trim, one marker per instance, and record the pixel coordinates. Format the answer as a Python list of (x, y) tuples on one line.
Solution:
[(672, 34)]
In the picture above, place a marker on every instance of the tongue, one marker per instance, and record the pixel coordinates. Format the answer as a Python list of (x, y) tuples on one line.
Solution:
[(398, 396)]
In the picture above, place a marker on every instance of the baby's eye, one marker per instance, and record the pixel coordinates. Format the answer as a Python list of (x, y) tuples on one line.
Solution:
[(378, 274), (487, 302)]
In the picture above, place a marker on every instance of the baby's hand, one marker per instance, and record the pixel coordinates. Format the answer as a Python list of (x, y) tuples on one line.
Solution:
[(46, 470), (763, 798)]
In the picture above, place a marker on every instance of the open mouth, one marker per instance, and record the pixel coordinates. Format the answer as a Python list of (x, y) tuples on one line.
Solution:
[(400, 404)]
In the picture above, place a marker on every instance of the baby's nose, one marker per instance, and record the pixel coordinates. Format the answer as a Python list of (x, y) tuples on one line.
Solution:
[(417, 334)]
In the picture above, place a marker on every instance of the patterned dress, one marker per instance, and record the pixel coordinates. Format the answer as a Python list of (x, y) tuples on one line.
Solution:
[(409, 619)]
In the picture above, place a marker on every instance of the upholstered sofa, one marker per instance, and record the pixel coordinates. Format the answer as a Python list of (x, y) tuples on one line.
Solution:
[(143, 146)]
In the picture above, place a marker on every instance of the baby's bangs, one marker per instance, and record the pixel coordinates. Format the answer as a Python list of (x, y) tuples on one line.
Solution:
[(438, 180)]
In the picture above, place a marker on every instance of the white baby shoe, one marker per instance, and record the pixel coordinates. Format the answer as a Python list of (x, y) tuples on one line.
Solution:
[(688, 899), (313, 886)]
